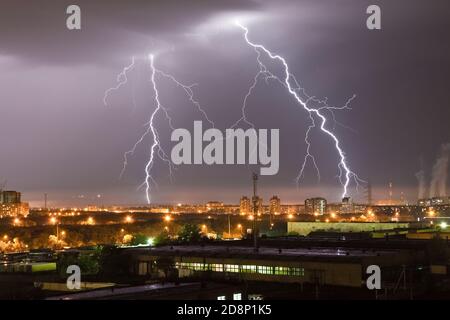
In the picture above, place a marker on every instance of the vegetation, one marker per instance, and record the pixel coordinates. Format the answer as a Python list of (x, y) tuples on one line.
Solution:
[(162, 239), (189, 233), (139, 239), (87, 261)]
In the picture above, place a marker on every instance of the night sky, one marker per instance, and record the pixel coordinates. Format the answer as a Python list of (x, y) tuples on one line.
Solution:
[(56, 136)]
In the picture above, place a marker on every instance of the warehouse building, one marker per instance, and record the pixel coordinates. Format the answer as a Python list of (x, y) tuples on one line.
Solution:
[(324, 266)]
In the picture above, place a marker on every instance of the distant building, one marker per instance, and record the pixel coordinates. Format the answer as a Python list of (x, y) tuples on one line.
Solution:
[(245, 206), (9, 197), (435, 201), (347, 205), (259, 205), (293, 209), (275, 205), (11, 205), (214, 206), (315, 206)]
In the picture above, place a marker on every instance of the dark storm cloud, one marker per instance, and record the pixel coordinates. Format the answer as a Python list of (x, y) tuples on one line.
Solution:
[(36, 30), (56, 135)]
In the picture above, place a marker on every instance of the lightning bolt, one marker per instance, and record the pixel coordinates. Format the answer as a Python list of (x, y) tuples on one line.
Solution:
[(156, 150), (121, 80), (345, 173), (189, 92), (156, 144)]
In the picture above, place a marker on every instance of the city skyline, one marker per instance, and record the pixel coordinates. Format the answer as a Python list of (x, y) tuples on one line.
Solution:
[(58, 137)]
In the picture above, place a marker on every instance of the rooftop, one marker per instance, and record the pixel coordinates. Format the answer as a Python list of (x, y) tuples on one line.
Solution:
[(312, 253)]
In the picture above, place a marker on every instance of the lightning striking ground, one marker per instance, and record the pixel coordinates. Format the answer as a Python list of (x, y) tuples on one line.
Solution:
[(345, 173)]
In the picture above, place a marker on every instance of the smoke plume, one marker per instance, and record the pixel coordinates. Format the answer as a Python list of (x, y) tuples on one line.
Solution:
[(422, 181), (439, 173)]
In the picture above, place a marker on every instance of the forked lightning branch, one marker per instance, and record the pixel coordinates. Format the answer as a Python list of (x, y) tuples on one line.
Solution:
[(237, 146)]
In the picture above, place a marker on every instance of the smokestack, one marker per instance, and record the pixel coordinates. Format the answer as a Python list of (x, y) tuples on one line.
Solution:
[(439, 173)]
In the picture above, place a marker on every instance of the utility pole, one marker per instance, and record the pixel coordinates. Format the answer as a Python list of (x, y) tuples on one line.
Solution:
[(255, 211)]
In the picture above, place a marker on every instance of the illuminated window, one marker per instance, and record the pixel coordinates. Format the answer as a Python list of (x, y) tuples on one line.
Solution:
[(190, 265), (198, 266), (216, 267), (237, 296), (221, 298), (235, 268), (231, 267), (248, 269), (282, 271), (297, 272), (265, 270)]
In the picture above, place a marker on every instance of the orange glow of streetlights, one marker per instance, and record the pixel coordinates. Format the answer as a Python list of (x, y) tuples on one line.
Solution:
[(16, 221), (290, 216), (53, 220), (167, 218), (128, 219), (90, 221), (251, 217)]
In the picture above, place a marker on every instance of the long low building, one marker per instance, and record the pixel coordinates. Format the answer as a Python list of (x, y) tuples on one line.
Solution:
[(305, 228), (324, 266)]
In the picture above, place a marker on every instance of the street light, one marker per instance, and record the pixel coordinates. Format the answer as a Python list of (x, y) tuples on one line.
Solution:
[(55, 221), (128, 219)]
